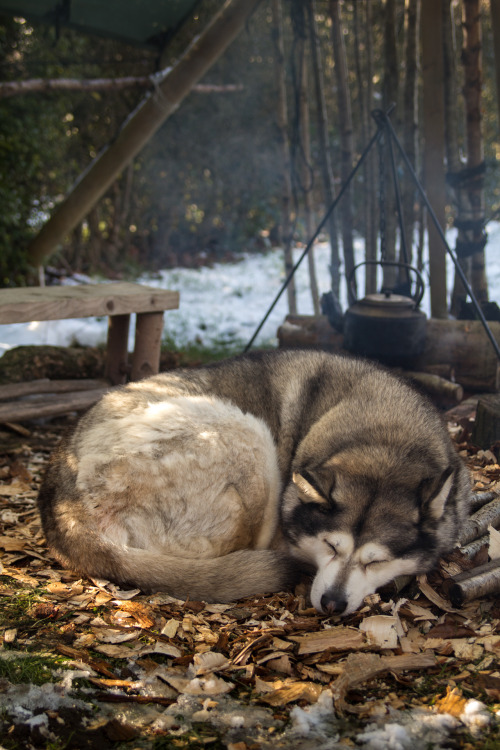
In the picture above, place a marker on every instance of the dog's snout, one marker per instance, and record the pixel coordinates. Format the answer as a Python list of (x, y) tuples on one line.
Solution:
[(333, 604)]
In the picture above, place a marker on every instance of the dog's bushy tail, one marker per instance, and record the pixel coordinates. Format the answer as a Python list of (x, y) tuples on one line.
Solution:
[(221, 579)]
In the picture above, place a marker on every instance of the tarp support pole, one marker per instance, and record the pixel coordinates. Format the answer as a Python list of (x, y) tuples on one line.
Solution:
[(141, 125)]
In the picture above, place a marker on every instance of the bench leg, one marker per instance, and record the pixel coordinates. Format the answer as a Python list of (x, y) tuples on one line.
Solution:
[(146, 357), (117, 348)]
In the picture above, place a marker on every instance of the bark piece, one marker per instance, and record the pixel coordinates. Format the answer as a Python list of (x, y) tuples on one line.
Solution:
[(360, 668)]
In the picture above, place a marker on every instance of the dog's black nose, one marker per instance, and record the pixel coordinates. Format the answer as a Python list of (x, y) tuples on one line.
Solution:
[(333, 604)]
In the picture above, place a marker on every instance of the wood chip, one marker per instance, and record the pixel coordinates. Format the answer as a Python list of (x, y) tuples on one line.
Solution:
[(494, 543), (381, 630), (433, 596), (337, 639)]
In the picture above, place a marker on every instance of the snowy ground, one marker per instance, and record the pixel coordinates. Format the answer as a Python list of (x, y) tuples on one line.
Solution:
[(225, 303)]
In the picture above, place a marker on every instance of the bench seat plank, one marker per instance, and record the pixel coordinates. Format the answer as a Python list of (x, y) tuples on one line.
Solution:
[(24, 304)]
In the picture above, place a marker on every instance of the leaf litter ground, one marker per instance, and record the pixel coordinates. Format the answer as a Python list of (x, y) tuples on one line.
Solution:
[(84, 664)]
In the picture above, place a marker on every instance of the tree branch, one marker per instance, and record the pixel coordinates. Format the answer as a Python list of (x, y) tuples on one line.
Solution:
[(43, 85)]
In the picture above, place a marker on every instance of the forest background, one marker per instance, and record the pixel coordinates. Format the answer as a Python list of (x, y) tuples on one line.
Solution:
[(210, 183)]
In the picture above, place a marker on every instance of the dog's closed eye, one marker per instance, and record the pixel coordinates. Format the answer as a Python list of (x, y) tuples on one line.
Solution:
[(331, 548)]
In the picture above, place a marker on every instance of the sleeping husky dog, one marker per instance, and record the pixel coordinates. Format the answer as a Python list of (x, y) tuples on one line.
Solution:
[(228, 480)]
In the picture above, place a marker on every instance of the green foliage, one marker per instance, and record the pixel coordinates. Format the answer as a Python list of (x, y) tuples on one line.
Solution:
[(29, 669), (209, 182)]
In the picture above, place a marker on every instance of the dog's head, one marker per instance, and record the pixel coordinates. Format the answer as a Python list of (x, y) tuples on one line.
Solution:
[(362, 518)]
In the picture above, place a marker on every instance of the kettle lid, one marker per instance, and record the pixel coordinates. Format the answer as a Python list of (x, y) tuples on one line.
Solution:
[(387, 300)]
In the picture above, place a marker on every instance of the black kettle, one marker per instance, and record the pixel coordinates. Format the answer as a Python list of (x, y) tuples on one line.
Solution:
[(387, 326)]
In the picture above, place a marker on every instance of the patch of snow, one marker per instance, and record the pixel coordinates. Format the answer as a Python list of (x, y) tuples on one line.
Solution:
[(314, 718), (475, 716), (22, 700), (224, 304)]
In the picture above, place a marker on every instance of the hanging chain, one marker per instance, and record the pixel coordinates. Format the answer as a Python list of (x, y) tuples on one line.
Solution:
[(382, 178)]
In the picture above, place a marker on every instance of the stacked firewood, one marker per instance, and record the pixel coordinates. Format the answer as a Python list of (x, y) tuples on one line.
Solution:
[(479, 538)]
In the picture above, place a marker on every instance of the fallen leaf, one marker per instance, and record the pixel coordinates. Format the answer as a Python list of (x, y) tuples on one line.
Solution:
[(142, 613), (295, 691), (211, 685), (117, 652), (433, 596), (416, 612), (281, 663), (208, 662), (450, 630), (453, 702), (160, 647), (110, 635)]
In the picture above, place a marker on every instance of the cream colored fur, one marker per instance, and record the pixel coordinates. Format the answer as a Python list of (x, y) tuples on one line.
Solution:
[(216, 465)]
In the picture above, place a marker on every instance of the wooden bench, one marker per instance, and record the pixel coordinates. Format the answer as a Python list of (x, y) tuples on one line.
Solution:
[(115, 300)]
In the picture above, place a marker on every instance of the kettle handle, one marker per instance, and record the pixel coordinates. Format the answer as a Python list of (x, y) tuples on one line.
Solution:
[(419, 292)]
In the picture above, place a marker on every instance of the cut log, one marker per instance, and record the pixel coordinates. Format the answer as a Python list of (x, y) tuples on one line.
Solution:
[(309, 332), (458, 350), (44, 385), (444, 391), (18, 411), (477, 524), (486, 430), (465, 348), (475, 583)]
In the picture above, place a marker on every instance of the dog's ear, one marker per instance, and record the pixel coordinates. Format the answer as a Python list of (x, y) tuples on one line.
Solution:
[(308, 492), (435, 494)]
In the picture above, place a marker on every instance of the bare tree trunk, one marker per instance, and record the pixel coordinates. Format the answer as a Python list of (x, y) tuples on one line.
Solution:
[(44, 85), (282, 122), (495, 25), (307, 177), (454, 163), (433, 156), (390, 96), (475, 154), (346, 134), (324, 147), (410, 117), (371, 232), (367, 186)]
